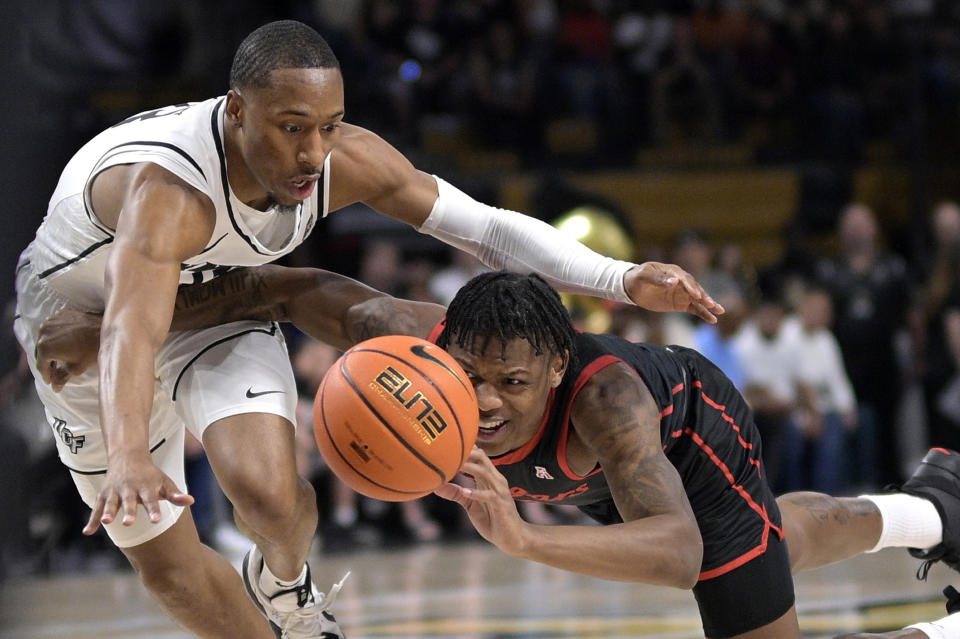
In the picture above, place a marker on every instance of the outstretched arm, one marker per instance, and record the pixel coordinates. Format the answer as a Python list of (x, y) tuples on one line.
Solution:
[(328, 307), (370, 170)]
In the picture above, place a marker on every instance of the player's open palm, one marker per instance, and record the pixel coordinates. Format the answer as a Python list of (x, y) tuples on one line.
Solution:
[(130, 482), (667, 287), (67, 345), (489, 504)]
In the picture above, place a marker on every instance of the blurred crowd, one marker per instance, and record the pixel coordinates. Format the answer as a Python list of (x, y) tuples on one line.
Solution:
[(850, 357), (795, 78)]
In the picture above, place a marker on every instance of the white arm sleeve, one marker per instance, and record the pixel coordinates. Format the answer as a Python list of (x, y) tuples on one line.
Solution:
[(504, 239)]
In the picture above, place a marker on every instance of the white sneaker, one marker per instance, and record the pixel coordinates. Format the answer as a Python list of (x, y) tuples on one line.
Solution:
[(297, 613)]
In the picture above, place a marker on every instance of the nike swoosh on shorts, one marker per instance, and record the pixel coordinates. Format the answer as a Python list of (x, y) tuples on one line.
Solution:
[(251, 394)]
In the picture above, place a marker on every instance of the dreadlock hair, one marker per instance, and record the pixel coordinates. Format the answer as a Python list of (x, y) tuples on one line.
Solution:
[(502, 305), (284, 44)]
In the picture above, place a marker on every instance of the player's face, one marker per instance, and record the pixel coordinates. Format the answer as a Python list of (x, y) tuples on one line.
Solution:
[(513, 384), (284, 132)]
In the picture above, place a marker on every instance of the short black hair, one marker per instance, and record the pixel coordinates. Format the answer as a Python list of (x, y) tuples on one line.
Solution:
[(502, 305), (284, 44)]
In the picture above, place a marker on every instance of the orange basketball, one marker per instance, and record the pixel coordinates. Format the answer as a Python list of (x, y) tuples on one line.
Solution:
[(395, 417)]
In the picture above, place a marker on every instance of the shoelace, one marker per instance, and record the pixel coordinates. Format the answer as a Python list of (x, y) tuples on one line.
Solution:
[(308, 618), (937, 553)]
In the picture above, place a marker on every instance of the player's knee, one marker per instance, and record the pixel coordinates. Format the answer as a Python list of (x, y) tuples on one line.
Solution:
[(165, 574), (267, 503)]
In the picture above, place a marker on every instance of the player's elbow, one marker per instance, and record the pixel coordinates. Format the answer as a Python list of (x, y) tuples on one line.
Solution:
[(688, 558)]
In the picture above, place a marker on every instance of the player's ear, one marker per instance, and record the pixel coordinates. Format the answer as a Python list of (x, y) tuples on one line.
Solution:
[(234, 108), (558, 366)]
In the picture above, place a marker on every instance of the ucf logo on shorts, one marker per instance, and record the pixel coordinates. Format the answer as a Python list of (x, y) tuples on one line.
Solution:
[(71, 441)]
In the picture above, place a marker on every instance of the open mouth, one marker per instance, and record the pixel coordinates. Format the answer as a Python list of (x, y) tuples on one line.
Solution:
[(303, 187), (491, 428)]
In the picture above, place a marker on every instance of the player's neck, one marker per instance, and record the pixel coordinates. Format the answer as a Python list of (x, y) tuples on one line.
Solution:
[(242, 182)]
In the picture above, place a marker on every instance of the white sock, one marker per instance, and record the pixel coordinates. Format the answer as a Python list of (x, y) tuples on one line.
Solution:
[(946, 628), (270, 584), (908, 521)]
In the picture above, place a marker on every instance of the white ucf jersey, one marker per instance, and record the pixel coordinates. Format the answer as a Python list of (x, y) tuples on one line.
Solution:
[(70, 250)]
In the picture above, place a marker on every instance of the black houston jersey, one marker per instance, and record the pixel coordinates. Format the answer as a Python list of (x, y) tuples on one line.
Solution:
[(708, 435), (538, 471)]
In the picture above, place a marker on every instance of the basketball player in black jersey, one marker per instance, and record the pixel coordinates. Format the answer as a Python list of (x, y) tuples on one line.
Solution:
[(653, 442)]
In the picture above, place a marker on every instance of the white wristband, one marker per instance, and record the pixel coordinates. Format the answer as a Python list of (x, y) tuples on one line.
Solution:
[(504, 239)]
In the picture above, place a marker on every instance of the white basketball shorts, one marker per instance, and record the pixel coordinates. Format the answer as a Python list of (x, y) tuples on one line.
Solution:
[(201, 376)]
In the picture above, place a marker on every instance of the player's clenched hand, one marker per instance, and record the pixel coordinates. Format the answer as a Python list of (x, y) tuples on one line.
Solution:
[(67, 345), (667, 287), (128, 483), (489, 504)]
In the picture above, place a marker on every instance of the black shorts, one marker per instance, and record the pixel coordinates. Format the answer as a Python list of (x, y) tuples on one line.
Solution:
[(745, 579)]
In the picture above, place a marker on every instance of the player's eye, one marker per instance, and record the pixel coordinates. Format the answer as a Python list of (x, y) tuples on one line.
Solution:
[(291, 128)]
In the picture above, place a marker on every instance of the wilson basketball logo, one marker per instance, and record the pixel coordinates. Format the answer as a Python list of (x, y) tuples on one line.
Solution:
[(415, 407)]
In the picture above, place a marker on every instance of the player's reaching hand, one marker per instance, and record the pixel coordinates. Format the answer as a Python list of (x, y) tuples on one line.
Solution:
[(67, 345), (130, 481), (489, 504), (667, 287)]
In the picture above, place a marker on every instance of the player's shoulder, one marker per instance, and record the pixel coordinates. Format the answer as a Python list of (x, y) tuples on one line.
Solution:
[(361, 149), (363, 164), (615, 384)]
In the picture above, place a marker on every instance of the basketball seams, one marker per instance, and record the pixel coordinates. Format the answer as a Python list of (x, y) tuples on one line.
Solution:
[(430, 381), (401, 401), (333, 443)]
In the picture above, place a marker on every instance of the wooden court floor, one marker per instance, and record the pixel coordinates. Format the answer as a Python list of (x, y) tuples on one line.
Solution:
[(472, 591)]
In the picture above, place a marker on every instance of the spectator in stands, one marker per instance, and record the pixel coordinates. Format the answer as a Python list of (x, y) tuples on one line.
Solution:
[(718, 342), (503, 75), (685, 101), (937, 328), (871, 294), (832, 412), (771, 382)]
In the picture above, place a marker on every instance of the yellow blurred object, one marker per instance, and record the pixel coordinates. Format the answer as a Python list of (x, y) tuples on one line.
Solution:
[(597, 229), (600, 231)]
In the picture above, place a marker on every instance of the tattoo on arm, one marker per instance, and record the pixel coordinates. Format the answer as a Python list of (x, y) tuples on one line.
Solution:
[(617, 418), (382, 316), (240, 294)]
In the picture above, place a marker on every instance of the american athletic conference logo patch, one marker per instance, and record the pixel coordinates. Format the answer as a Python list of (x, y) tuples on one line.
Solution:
[(542, 473)]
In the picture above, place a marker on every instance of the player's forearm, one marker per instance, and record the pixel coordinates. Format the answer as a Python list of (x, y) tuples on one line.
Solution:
[(657, 550), (244, 294), (506, 239), (126, 390)]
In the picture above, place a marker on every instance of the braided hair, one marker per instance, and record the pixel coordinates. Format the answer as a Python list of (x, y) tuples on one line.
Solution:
[(502, 305), (284, 44)]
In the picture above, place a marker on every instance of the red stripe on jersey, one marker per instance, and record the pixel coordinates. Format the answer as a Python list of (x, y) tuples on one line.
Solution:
[(727, 419), (517, 455), (588, 371), (666, 411), (435, 333), (757, 508), (676, 389)]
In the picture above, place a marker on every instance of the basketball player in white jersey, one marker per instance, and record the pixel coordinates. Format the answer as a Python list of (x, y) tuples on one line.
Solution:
[(180, 195)]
